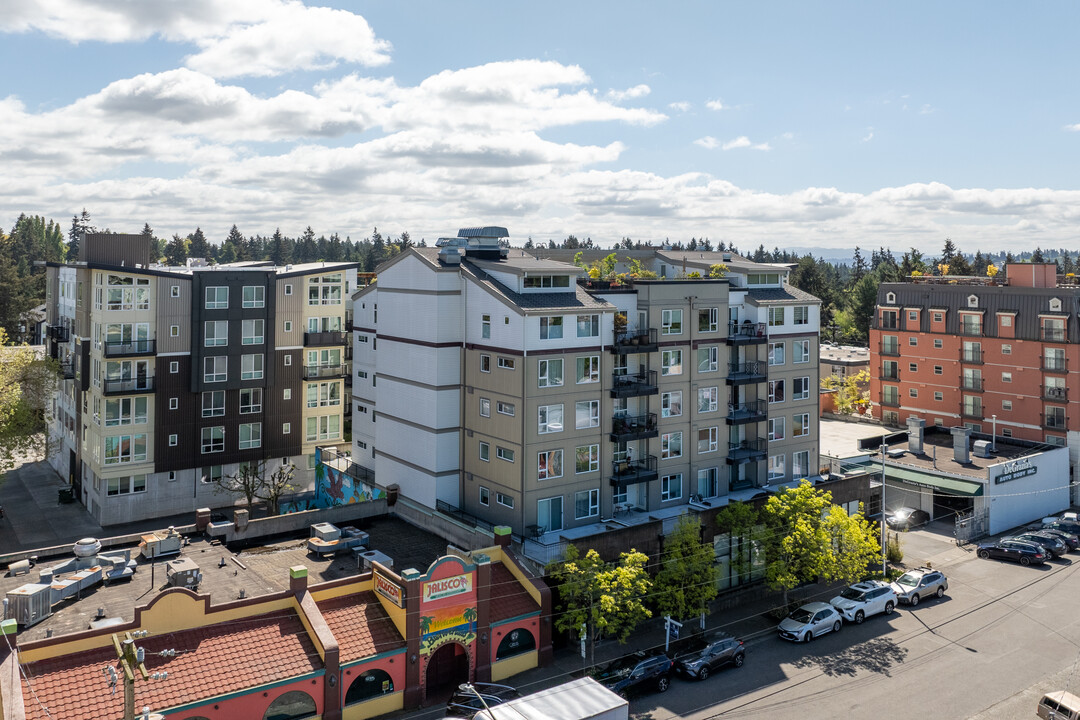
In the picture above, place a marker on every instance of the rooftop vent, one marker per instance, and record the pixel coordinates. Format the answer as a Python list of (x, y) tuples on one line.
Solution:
[(727, 257)]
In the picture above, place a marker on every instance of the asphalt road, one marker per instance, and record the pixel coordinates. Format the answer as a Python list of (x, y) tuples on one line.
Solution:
[(1001, 636)]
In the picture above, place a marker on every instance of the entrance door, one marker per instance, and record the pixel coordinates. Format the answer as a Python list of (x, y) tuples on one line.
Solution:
[(447, 668)]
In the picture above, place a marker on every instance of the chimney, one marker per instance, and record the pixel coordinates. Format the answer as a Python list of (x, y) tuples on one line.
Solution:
[(915, 435), (960, 438), (502, 536), (297, 579)]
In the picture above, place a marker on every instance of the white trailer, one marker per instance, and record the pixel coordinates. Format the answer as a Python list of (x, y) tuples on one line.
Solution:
[(583, 699)]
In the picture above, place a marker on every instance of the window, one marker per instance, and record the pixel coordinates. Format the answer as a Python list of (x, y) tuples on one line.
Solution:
[(588, 326), (588, 369), (800, 464), (671, 404), (253, 332), (217, 298), (250, 400), (254, 296), (939, 317), (174, 367), (174, 331), (913, 392), (671, 362), (323, 427), (287, 327), (547, 281), (549, 514), (708, 359), (550, 419), (485, 326), (124, 293), (671, 322), (549, 464), (213, 403), (776, 316), (707, 399), (776, 467), (174, 403), (800, 388), (708, 485), (708, 319), (174, 440), (707, 440), (587, 459), (215, 332), (505, 500), (1006, 377), (126, 485), (215, 369), (939, 396), (213, 439), (485, 496), (1006, 432), (485, 451), (325, 290), (938, 370), (802, 315), (504, 454), (800, 351), (800, 425), (287, 360), (938, 343), (970, 324), (506, 363), (286, 394), (250, 435), (890, 394), (505, 408), (550, 327), (776, 428), (671, 487), (671, 445), (586, 504), (913, 341), (485, 407), (776, 353), (913, 367), (174, 291), (251, 367), (776, 391), (288, 288), (485, 363), (549, 373), (587, 414), (286, 429), (125, 411)]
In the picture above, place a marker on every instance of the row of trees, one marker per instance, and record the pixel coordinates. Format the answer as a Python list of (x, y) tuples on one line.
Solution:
[(802, 536)]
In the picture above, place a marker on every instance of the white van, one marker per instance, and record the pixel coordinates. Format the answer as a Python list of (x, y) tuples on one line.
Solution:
[(1059, 705)]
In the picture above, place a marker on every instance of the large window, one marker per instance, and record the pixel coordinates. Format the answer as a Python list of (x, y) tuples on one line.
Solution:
[(549, 514), (671, 322), (776, 353), (800, 388), (547, 281), (776, 316), (587, 414), (776, 391), (254, 296), (215, 332), (708, 439), (292, 705), (215, 369), (323, 394), (370, 684), (587, 459), (707, 399), (776, 428), (330, 323), (800, 464), (671, 445), (213, 439), (126, 293), (551, 327), (125, 485), (708, 359), (588, 369), (485, 326), (671, 487), (800, 425), (250, 400), (800, 351), (121, 449), (251, 367), (671, 404), (250, 435), (671, 362), (708, 319), (776, 467), (324, 427), (125, 411), (802, 315), (254, 331), (217, 298), (326, 358), (708, 485), (550, 419), (213, 403), (325, 290), (588, 326), (586, 504), (549, 373), (549, 464)]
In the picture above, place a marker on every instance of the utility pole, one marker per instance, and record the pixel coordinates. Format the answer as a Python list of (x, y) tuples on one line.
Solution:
[(884, 571), (130, 662)]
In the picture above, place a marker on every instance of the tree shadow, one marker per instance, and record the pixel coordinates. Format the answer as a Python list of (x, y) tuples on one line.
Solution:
[(877, 655)]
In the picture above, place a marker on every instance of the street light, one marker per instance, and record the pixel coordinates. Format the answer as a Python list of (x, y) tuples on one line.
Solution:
[(469, 687), (884, 451)]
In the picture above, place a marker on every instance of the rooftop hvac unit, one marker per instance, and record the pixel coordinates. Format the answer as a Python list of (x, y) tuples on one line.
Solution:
[(369, 556), (982, 448), (29, 604)]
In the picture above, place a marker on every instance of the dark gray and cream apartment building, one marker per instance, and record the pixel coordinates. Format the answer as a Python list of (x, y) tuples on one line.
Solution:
[(491, 381), (173, 376)]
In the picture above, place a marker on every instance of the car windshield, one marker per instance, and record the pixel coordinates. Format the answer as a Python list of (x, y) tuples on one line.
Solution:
[(619, 668), (801, 616), (853, 594), (908, 580)]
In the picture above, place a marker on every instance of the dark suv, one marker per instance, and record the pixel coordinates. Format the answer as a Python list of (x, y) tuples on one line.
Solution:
[(709, 653), (636, 673)]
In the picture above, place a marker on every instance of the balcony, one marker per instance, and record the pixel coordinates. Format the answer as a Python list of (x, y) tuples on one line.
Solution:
[(1055, 394), (746, 333), (316, 372), (972, 412), (635, 341), (888, 321), (130, 348), (59, 333), (633, 427), (971, 357), (1052, 334), (974, 384), (748, 412), (890, 349), (323, 339), (637, 385), (890, 401), (67, 370), (745, 373), (631, 472), (890, 373), (1053, 365), (746, 451), (1054, 422), (971, 330), (131, 386)]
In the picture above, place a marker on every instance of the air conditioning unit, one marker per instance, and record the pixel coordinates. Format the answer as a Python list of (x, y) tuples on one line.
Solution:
[(982, 448)]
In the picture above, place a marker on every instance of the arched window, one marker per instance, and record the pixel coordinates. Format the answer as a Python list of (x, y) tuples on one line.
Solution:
[(369, 684), (292, 705), (514, 643)]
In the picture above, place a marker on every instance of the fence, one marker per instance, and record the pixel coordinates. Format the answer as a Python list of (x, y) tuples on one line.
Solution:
[(972, 526)]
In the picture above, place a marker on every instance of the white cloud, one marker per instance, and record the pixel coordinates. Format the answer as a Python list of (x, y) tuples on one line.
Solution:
[(868, 136), (637, 91), (744, 142), (927, 109), (716, 105), (1073, 128), (681, 106), (708, 142)]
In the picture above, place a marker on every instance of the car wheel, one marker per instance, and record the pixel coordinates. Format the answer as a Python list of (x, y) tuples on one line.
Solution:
[(703, 673), (739, 659), (836, 626), (1025, 560), (859, 617), (889, 607), (662, 684), (984, 554), (808, 636), (940, 591), (914, 600)]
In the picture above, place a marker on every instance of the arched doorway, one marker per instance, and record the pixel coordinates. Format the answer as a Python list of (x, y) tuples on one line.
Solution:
[(291, 706), (447, 668)]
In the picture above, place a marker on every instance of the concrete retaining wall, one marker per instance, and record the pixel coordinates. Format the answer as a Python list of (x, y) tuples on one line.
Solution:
[(459, 534), (294, 522)]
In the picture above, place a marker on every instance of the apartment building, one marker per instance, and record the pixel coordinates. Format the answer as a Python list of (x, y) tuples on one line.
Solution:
[(507, 385), (174, 376)]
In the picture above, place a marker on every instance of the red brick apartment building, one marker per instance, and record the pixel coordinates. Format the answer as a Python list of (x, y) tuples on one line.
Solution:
[(958, 351)]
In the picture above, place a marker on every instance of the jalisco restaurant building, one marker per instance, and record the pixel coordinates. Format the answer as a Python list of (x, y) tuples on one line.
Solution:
[(341, 650)]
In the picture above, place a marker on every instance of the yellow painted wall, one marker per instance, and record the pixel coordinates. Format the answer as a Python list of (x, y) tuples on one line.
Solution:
[(375, 706), (321, 594), (496, 554), (512, 666)]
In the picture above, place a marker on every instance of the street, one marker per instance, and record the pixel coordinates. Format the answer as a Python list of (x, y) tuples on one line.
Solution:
[(1001, 636)]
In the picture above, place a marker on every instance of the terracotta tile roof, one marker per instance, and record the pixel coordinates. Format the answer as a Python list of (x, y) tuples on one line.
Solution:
[(212, 661), (360, 625), (508, 598)]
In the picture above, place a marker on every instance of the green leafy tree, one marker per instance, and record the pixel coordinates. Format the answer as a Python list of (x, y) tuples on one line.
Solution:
[(687, 581), (742, 522), (852, 391), (855, 545), (798, 548), (27, 382), (718, 270), (635, 269)]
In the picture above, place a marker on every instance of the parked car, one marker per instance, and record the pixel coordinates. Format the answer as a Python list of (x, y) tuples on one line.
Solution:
[(914, 585), (466, 703), (1053, 545), (809, 621), (863, 599), (711, 652), (636, 673), (906, 518), (1070, 539), (1024, 553), (1067, 524)]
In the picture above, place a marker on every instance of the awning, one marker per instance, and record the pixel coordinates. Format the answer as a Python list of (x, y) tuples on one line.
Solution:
[(948, 485)]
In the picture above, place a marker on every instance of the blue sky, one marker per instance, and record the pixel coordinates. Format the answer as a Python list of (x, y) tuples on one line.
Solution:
[(803, 125)]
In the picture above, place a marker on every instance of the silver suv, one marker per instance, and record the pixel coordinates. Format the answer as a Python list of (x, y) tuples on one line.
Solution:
[(864, 599), (914, 585)]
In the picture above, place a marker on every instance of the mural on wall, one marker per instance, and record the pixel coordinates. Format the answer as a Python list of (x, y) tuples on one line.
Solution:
[(447, 624), (333, 487)]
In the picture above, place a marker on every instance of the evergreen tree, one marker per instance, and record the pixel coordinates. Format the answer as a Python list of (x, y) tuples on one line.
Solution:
[(156, 248), (198, 246), (279, 249), (858, 266), (1037, 256), (238, 243), (1067, 264), (79, 224), (306, 250), (176, 252)]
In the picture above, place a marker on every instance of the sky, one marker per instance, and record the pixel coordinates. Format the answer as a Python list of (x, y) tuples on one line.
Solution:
[(799, 125)]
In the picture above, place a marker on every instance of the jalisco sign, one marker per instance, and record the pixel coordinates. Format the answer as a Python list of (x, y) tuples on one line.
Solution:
[(447, 587), (1015, 470), (389, 590)]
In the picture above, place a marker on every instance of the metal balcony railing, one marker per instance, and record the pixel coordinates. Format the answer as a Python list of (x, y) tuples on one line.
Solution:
[(633, 427), (1054, 422), (747, 412), (129, 348), (745, 333), (971, 357), (130, 386), (1052, 334), (890, 373), (971, 330), (314, 372), (1053, 364), (67, 370), (636, 385), (321, 339), (890, 401), (1056, 394), (890, 349), (635, 341), (629, 472), (746, 450), (972, 383), (739, 373)]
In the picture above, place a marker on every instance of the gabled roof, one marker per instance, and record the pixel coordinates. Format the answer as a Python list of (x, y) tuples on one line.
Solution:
[(360, 625), (509, 598)]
